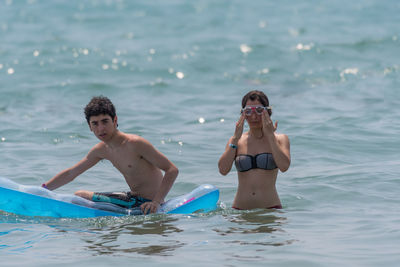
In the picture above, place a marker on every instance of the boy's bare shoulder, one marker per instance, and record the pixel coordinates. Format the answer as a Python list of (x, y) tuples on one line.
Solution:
[(137, 144), (97, 150), (99, 146), (135, 140)]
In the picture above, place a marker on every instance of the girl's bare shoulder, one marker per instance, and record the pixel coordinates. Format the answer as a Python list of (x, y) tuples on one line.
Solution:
[(282, 138)]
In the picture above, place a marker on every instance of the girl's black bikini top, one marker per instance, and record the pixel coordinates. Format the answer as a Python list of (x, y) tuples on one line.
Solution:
[(261, 161)]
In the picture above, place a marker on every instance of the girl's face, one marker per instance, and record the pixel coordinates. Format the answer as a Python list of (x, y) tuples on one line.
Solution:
[(253, 118)]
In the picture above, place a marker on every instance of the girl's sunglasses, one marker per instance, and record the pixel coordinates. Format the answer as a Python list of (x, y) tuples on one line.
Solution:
[(258, 110)]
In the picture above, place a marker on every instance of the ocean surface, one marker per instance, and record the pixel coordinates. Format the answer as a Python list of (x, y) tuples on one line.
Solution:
[(176, 72)]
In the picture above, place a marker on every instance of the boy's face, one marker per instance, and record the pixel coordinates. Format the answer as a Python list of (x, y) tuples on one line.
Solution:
[(103, 126)]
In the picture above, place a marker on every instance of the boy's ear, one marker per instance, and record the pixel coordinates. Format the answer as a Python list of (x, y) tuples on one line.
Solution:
[(116, 121)]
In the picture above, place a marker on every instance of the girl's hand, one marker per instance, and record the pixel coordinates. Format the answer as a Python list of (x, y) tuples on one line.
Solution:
[(268, 125), (239, 128)]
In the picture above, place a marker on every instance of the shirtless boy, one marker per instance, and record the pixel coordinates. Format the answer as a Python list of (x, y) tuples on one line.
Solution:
[(137, 160)]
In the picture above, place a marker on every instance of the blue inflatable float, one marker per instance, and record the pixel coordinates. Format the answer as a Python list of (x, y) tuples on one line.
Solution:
[(37, 201)]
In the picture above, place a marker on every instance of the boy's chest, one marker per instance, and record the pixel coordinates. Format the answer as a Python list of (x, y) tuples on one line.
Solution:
[(125, 161)]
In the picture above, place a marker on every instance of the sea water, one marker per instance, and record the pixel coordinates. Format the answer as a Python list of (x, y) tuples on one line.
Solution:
[(176, 72)]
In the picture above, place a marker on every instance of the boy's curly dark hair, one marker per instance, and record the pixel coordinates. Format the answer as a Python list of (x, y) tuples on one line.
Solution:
[(99, 105)]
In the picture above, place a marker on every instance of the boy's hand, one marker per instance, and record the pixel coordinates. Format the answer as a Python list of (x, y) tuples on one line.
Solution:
[(150, 207)]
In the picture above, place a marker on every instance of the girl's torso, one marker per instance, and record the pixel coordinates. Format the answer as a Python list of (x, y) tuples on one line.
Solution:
[(256, 187)]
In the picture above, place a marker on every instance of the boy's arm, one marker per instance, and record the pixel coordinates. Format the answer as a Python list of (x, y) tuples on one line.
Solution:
[(156, 158), (71, 173)]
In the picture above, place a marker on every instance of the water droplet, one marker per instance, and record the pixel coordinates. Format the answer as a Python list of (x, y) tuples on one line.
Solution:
[(304, 47), (293, 32), (245, 49), (262, 24)]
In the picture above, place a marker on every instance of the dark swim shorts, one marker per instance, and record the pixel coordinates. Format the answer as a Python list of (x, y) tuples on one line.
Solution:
[(122, 199)]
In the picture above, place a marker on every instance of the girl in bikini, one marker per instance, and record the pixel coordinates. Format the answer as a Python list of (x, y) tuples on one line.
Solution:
[(258, 155)]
